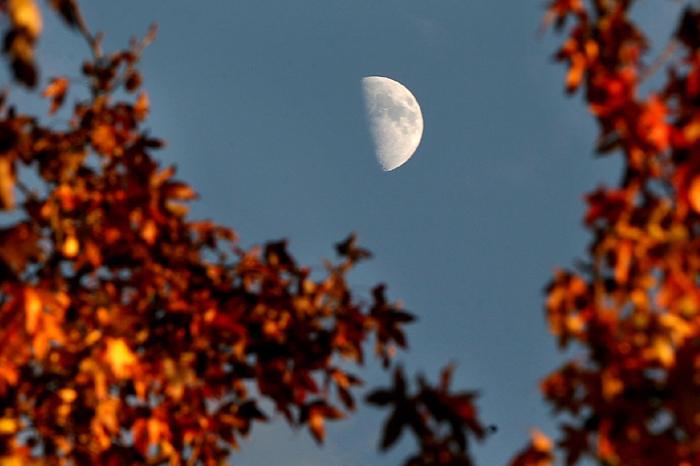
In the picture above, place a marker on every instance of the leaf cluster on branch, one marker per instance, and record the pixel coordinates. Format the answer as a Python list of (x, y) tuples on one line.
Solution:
[(133, 334), (424, 414), (632, 396)]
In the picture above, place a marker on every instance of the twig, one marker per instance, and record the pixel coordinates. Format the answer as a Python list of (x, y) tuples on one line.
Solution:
[(94, 41), (661, 60)]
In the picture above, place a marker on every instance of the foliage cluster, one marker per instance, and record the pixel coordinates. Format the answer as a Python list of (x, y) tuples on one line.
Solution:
[(133, 334)]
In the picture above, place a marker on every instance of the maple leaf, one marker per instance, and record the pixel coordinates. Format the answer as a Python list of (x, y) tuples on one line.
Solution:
[(348, 248), (32, 309)]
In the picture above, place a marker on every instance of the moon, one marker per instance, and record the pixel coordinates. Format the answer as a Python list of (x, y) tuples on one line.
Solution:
[(394, 118)]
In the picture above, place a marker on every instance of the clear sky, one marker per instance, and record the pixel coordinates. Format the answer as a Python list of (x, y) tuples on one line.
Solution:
[(260, 102)]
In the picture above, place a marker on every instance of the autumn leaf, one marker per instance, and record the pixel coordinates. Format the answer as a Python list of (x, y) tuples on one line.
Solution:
[(142, 106), (393, 428), (119, 357), (661, 350), (68, 395), (178, 191), (104, 139), (652, 123), (8, 374), (25, 14), (149, 231), (316, 425), (68, 9), (8, 425), (623, 262), (7, 184), (575, 73), (541, 442), (19, 46), (537, 453), (694, 193), (139, 432), (32, 309), (56, 91), (70, 247)]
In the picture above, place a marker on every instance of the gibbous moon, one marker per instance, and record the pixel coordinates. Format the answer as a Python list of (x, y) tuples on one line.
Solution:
[(394, 118)]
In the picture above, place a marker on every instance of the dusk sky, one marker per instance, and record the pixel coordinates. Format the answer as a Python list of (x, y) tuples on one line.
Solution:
[(261, 106)]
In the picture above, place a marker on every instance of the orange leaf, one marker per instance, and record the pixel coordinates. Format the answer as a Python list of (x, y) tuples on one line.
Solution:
[(576, 70), (32, 309), (149, 231), (25, 14), (606, 450), (694, 193), (92, 254), (8, 425), (622, 265), (661, 350), (40, 345), (140, 435), (8, 374), (7, 184), (179, 191), (652, 123), (141, 106), (541, 442), (316, 421), (157, 430), (56, 91), (104, 139), (119, 357), (70, 247), (68, 395), (611, 385)]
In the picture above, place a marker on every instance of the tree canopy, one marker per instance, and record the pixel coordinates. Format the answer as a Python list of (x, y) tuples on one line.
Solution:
[(134, 334), (631, 396)]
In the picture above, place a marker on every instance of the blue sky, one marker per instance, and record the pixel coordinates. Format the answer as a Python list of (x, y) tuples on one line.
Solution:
[(261, 105)]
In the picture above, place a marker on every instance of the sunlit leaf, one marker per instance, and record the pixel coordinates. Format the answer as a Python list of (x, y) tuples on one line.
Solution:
[(120, 357), (56, 91), (25, 14), (694, 194), (142, 106), (70, 247), (7, 184), (8, 425), (104, 139), (32, 309)]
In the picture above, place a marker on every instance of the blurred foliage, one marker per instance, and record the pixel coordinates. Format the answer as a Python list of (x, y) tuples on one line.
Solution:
[(632, 395)]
